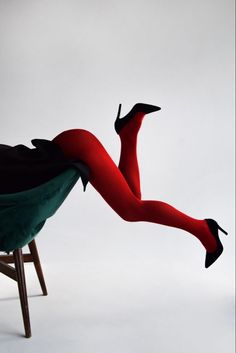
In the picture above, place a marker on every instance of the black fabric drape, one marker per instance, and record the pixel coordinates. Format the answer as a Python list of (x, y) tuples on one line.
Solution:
[(23, 168)]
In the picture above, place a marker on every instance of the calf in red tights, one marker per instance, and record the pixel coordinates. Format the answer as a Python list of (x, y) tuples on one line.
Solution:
[(120, 186)]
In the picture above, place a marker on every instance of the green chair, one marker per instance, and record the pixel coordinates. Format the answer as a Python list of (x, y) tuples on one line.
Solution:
[(22, 216)]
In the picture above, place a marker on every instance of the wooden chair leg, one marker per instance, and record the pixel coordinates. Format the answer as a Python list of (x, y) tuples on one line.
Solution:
[(37, 265), (19, 266)]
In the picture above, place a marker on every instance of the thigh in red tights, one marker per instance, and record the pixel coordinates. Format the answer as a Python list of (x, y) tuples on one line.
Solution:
[(112, 185)]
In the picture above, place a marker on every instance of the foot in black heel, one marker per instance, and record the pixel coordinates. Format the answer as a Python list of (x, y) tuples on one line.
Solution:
[(137, 108), (211, 257)]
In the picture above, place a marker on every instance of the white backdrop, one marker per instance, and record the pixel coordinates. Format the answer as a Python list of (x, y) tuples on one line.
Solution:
[(67, 64)]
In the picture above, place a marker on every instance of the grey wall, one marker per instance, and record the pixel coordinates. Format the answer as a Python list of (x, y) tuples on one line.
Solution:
[(68, 64)]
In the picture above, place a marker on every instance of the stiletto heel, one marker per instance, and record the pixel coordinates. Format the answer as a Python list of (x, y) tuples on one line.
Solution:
[(222, 230), (137, 108), (214, 227)]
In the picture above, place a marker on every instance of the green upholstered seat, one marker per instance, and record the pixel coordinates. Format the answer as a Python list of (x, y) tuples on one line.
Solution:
[(23, 214)]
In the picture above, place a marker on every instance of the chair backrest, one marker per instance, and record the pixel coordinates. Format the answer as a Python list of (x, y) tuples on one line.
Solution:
[(23, 214)]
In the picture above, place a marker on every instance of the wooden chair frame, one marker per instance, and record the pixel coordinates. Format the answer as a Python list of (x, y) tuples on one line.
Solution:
[(17, 273)]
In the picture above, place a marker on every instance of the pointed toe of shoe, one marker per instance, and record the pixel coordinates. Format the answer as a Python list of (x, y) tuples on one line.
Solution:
[(211, 257)]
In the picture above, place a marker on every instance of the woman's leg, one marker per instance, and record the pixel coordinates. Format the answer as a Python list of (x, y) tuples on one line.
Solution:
[(108, 180), (128, 163), (128, 128)]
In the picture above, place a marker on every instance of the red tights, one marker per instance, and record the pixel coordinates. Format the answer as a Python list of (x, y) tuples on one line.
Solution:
[(120, 186)]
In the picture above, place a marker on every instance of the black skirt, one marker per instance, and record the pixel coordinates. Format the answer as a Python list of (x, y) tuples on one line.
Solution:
[(23, 168)]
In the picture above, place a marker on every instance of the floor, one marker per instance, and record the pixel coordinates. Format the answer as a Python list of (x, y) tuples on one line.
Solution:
[(114, 306)]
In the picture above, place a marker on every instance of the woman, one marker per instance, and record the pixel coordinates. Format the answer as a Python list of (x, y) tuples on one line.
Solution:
[(22, 168), (120, 187)]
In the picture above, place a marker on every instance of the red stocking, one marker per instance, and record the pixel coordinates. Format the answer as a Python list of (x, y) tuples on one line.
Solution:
[(121, 194), (128, 164)]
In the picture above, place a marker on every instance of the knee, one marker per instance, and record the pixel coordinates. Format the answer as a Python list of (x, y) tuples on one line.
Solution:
[(127, 217), (132, 213), (74, 135), (78, 143)]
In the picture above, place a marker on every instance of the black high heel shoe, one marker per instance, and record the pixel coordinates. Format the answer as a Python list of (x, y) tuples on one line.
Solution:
[(211, 257), (137, 108)]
